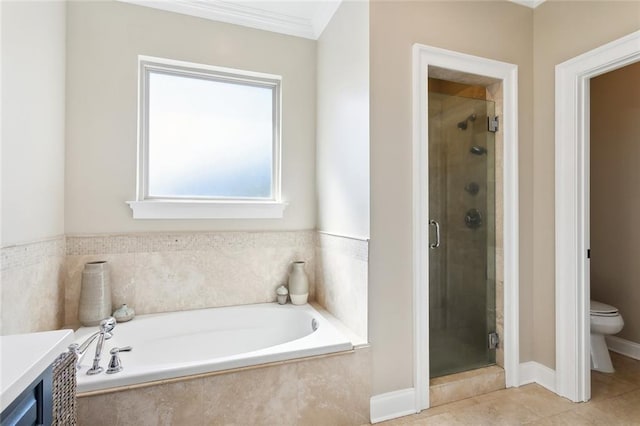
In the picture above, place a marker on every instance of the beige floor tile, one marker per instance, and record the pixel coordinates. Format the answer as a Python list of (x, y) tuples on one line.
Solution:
[(495, 412), (615, 401), (451, 407), (623, 409), (540, 400), (422, 417), (493, 395), (567, 418), (627, 369), (605, 386), (597, 414), (444, 419)]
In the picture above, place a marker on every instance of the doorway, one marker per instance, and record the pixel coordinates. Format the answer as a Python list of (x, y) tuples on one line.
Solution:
[(573, 368), (430, 62)]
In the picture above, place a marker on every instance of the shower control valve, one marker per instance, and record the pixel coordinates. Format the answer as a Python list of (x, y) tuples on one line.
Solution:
[(473, 219)]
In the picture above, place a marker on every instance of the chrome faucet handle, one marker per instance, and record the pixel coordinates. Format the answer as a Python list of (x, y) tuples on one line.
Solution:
[(122, 349), (115, 365), (107, 324)]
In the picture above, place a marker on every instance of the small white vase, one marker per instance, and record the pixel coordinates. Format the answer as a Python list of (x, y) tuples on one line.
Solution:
[(298, 284), (95, 293)]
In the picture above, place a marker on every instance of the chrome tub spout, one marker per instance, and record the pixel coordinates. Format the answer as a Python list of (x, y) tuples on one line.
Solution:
[(106, 326)]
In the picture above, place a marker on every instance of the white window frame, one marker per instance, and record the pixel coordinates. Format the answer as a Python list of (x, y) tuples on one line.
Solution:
[(146, 207)]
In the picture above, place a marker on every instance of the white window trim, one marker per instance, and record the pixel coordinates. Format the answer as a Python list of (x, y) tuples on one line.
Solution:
[(145, 207)]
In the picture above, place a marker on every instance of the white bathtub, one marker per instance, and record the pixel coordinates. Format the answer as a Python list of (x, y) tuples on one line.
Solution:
[(180, 344)]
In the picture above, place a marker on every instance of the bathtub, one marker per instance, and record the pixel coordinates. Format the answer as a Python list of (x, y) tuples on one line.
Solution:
[(177, 344)]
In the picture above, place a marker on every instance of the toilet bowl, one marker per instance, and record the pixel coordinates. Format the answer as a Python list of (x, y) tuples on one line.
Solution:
[(605, 320)]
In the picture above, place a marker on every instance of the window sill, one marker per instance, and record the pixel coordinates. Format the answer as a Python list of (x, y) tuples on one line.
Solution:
[(179, 209)]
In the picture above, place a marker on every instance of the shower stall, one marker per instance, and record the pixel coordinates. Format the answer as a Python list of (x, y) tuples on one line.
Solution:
[(462, 266)]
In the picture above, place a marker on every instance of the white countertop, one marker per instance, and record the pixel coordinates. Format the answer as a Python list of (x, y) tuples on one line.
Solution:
[(23, 357)]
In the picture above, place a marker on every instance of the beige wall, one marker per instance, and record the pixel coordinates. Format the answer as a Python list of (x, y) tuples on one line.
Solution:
[(496, 30), (33, 104), (104, 39), (615, 193), (33, 96), (562, 30), (342, 166), (342, 161)]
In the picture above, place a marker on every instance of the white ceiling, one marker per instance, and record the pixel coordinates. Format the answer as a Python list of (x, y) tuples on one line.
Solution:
[(529, 3), (301, 18)]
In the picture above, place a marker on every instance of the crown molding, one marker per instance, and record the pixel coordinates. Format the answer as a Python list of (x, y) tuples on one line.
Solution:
[(529, 3), (241, 13)]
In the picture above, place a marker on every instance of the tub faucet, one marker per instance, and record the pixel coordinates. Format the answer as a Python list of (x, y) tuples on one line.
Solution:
[(115, 365), (106, 325)]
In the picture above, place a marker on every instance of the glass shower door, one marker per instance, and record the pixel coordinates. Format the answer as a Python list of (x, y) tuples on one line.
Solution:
[(462, 294)]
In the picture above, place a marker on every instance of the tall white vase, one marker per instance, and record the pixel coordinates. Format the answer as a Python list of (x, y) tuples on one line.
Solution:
[(95, 293), (298, 284)]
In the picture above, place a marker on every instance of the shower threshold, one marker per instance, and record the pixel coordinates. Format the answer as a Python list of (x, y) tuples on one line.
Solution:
[(455, 387)]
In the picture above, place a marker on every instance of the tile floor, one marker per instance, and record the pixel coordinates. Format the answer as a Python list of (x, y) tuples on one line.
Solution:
[(615, 400)]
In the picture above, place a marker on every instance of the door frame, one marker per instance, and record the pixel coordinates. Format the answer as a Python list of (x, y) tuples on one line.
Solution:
[(423, 57), (573, 366)]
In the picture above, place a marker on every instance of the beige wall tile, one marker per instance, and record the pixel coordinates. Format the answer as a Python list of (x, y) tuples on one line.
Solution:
[(342, 280), (335, 390), (166, 404), (264, 396), (32, 291), (332, 390), (179, 271)]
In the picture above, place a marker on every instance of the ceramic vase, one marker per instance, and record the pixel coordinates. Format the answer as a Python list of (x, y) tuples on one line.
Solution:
[(124, 313), (298, 284), (95, 294), (282, 294)]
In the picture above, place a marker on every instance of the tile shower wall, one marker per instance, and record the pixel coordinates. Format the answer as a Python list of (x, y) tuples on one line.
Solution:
[(179, 271), (330, 390), (32, 291), (342, 279)]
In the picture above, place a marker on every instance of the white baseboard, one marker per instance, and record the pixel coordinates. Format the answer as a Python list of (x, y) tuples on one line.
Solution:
[(392, 405), (534, 372), (624, 347), (401, 403)]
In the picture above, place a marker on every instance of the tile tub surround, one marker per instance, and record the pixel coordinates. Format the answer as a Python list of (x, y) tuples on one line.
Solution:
[(341, 274), (163, 272), (326, 390), (32, 293)]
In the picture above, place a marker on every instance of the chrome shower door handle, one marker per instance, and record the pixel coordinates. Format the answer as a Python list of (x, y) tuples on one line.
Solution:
[(437, 225)]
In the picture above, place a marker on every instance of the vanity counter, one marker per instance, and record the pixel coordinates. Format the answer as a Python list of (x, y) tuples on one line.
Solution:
[(23, 358)]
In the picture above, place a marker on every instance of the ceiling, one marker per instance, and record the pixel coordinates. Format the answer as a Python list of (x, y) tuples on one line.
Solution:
[(529, 3), (301, 18)]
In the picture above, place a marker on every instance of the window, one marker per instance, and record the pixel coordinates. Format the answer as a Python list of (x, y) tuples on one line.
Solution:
[(209, 142)]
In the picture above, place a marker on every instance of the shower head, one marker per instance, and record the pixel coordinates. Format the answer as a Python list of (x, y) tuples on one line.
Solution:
[(463, 124), (478, 150)]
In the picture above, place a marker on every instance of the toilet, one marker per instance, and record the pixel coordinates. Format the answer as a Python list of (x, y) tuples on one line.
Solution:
[(605, 321)]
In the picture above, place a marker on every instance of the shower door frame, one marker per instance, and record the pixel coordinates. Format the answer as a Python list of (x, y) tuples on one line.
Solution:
[(423, 57)]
